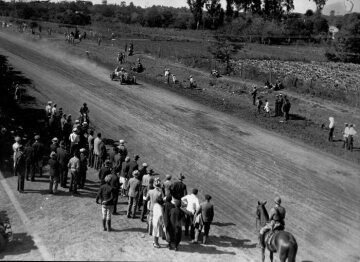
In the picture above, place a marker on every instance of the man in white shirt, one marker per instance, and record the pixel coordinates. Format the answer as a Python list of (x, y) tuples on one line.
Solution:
[(331, 129), (351, 133), (15, 148), (192, 205), (346, 135), (74, 141), (48, 109)]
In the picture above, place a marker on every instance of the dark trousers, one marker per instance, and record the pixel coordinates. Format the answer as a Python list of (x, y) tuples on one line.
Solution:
[(350, 143), (63, 175), (144, 210), (189, 223), (82, 178), (21, 181), (254, 99), (73, 148), (177, 235), (206, 228), (38, 166), (91, 158), (286, 116), (73, 181), (53, 183), (132, 206), (116, 199), (29, 170), (140, 199), (346, 142), (331, 134)]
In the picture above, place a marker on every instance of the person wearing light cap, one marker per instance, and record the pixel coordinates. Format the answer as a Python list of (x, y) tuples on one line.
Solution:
[(97, 160), (54, 173), (104, 171), (204, 217), (48, 109), (346, 136), (19, 168), (134, 188), (74, 141), (276, 218), (122, 151), (74, 166), (39, 150), (167, 186), (82, 168), (105, 196)]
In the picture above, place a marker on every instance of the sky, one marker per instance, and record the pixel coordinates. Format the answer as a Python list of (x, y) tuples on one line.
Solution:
[(300, 5)]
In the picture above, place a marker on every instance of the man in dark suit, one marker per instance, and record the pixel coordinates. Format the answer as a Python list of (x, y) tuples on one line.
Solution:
[(134, 164), (20, 166), (178, 189), (63, 159), (206, 211), (134, 187), (167, 208), (115, 184), (104, 171), (29, 153), (176, 218), (39, 150)]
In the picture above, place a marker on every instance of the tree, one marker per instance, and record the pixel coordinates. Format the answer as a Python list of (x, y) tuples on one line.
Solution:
[(288, 5), (319, 4), (223, 50), (214, 12), (196, 8)]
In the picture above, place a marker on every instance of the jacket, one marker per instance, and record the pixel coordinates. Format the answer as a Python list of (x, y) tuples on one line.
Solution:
[(104, 171), (54, 167), (178, 190), (134, 187), (207, 211), (125, 166), (62, 156), (133, 165), (176, 217), (115, 183), (38, 150), (167, 208), (20, 162), (105, 195)]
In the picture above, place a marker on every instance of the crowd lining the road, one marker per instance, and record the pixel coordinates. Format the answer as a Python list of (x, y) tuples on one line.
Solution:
[(166, 206)]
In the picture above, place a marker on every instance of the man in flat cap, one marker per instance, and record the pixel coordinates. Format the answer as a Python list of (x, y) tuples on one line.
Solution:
[(83, 168), (204, 217), (20, 166), (54, 172), (104, 171), (63, 157), (54, 146), (178, 188), (134, 188)]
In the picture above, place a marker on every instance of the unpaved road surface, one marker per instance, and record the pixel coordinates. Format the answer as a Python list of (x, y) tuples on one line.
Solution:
[(235, 162)]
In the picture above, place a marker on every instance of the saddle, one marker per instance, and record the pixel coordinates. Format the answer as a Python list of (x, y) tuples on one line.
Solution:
[(270, 238)]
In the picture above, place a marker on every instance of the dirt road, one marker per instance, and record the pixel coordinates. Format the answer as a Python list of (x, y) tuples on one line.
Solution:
[(235, 162)]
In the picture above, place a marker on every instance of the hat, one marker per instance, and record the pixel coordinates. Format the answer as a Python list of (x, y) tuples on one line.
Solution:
[(157, 182), (84, 104), (144, 165), (122, 142), (77, 121), (54, 139), (82, 150), (37, 137), (49, 102), (74, 129), (84, 123), (181, 176), (3, 129), (207, 197), (136, 173), (53, 154), (17, 139), (277, 200), (168, 177)]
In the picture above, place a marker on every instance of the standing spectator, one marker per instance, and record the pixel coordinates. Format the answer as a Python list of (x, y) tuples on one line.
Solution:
[(122, 151), (29, 157), (167, 76), (192, 204), (91, 148), (145, 188), (103, 152), (63, 159), (206, 216), (113, 153), (115, 184), (167, 186), (104, 171), (48, 109), (267, 108), (105, 195), (142, 172), (99, 40), (74, 166), (117, 162), (54, 110), (352, 132), (74, 141), (67, 129), (192, 82), (277, 106), (134, 164), (176, 219), (54, 173), (174, 78), (134, 187), (167, 209), (97, 159), (82, 168), (346, 136), (54, 145), (15, 148), (124, 175), (254, 94), (84, 109), (286, 108), (331, 129), (20, 166), (259, 105), (17, 93), (62, 123), (157, 220), (38, 155), (152, 196), (178, 189)]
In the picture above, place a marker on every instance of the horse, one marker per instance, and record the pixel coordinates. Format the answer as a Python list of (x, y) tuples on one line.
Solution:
[(282, 241)]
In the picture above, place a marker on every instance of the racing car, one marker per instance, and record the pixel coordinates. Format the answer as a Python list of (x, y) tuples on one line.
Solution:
[(123, 76)]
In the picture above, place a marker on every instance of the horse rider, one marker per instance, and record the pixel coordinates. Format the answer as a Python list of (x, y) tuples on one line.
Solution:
[(276, 221)]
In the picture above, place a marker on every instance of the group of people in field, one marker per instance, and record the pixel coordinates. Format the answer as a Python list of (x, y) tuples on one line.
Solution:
[(281, 107), (348, 134), (166, 206)]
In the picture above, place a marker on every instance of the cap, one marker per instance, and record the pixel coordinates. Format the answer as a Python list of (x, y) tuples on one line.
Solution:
[(74, 129), (122, 142), (82, 150), (55, 139), (77, 121), (136, 173), (17, 139), (37, 137), (144, 165), (84, 123), (168, 177), (181, 176), (277, 200), (49, 102), (207, 197)]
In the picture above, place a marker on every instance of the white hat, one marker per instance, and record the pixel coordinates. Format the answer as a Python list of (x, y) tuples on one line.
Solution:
[(55, 139), (77, 121), (82, 150), (75, 129), (144, 165), (121, 142), (84, 123), (49, 102)]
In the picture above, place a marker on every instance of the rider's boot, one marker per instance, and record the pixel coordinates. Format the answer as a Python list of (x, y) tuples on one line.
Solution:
[(104, 224)]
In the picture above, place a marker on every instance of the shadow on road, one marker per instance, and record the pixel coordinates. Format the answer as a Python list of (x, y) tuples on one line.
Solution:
[(22, 243), (226, 241), (225, 224)]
